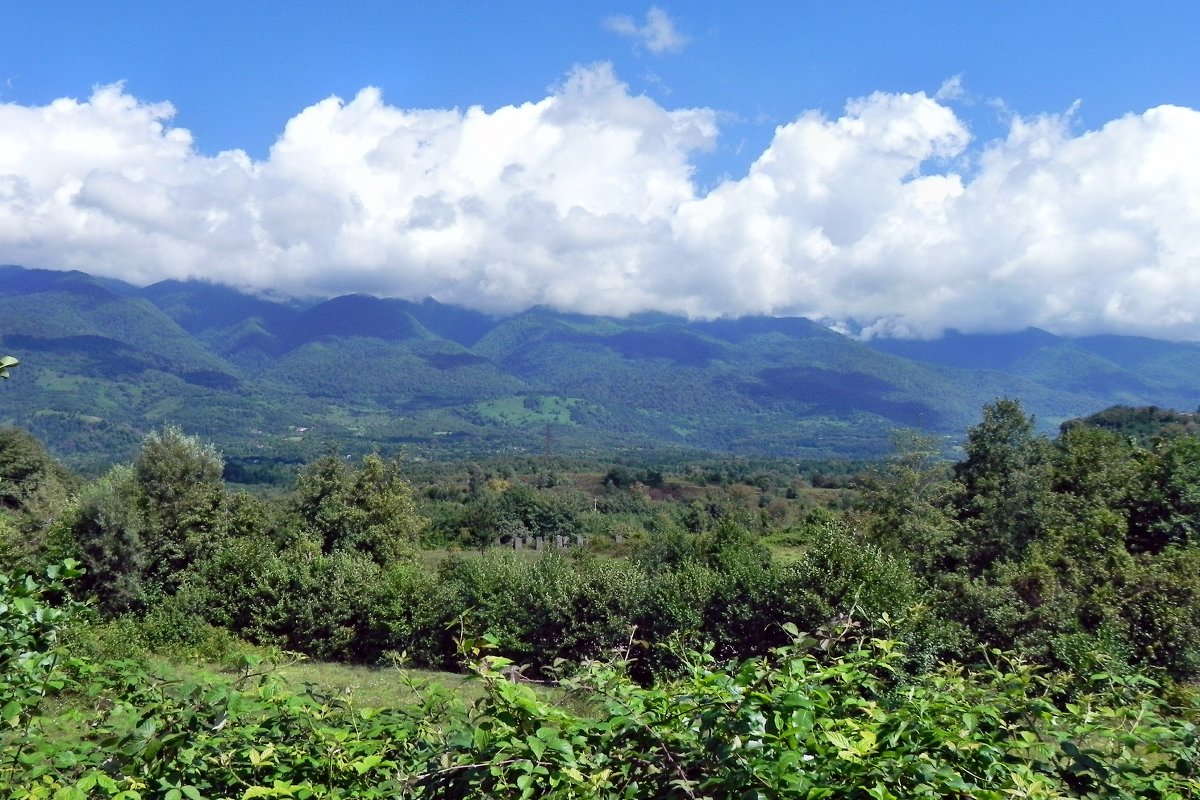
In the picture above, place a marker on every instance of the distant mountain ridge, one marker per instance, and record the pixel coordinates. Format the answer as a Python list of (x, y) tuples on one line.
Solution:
[(105, 361)]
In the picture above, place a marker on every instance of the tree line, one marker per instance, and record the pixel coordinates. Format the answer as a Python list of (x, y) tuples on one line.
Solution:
[(1023, 620), (1068, 550)]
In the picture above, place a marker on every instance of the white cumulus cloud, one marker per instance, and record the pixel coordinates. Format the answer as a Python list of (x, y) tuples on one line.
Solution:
[(657, 34), (887, 219)]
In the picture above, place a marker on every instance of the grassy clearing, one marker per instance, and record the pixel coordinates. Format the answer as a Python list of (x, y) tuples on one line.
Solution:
[(367, 686), (378, 687), (534, 410), (66, 718), (375, 687)]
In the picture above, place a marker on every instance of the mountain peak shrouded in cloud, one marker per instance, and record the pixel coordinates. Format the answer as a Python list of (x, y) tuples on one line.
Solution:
[(888, 219)]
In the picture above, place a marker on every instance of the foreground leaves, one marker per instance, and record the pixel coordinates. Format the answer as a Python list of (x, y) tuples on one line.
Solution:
[(805, 721)]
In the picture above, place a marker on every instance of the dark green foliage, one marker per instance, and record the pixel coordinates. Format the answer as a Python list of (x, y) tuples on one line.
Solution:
[(1005, 478), (320, 499), (1066, 552), (622, 477), (548, 608), (274, 383), (315, 603), (810, 719), (138, 528), (29, 474), (841, 573), (34, 488), (300, 599), (907, 505), (181, 499), (1144, 425), (508, 510), (416, 613), (1160, 609), (368, 510), (1099, 467), (111, 534), (1167, 511)]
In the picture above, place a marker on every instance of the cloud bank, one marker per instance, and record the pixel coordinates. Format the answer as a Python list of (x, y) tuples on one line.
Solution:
[(886, 220)]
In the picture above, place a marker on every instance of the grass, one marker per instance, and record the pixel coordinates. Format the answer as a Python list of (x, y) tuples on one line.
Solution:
[(57, 382), (516, 411), (218, 658), (66, 718), (376, 687)]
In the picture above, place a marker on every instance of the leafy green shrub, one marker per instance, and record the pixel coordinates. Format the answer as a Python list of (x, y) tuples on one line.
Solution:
[(839, 571), (14, 554), (34, 663), (310, 602), (174, 630), (547, 608), (672, 616), (368, 510), (796, 724), (1161, 610), (118, 639), (415, 612), (111, 534), (800, 721), (316, 604)]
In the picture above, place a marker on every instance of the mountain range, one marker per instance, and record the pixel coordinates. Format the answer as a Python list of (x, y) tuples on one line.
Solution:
[(274, 380)]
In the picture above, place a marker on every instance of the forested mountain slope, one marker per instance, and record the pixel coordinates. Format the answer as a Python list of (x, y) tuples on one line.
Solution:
[(266, 378)]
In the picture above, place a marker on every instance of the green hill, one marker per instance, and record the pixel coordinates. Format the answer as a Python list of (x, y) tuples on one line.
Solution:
[(274, 380)]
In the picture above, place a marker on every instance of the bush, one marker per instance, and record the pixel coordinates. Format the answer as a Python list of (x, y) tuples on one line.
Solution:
[(1161, 609), (839, 571), (322, 605), (415, 612), (118, 639), (173, 630), (548, 608), (111, 533), (801, 721)]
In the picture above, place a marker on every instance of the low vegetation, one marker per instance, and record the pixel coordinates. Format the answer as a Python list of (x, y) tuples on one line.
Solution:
[(1022, 622)]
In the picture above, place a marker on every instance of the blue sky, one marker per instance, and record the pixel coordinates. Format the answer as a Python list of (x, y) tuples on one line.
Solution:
[(237, 71), (955, 190)]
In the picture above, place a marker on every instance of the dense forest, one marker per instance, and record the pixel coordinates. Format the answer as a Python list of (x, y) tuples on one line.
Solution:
[(274, 383), (1019, 620)]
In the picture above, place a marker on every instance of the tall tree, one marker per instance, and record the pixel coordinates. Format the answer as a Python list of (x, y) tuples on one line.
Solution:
[(141, 526), (907, 505), (110, 531), (181, 494), (1006, 485), (369, 510), (1168, 512)]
